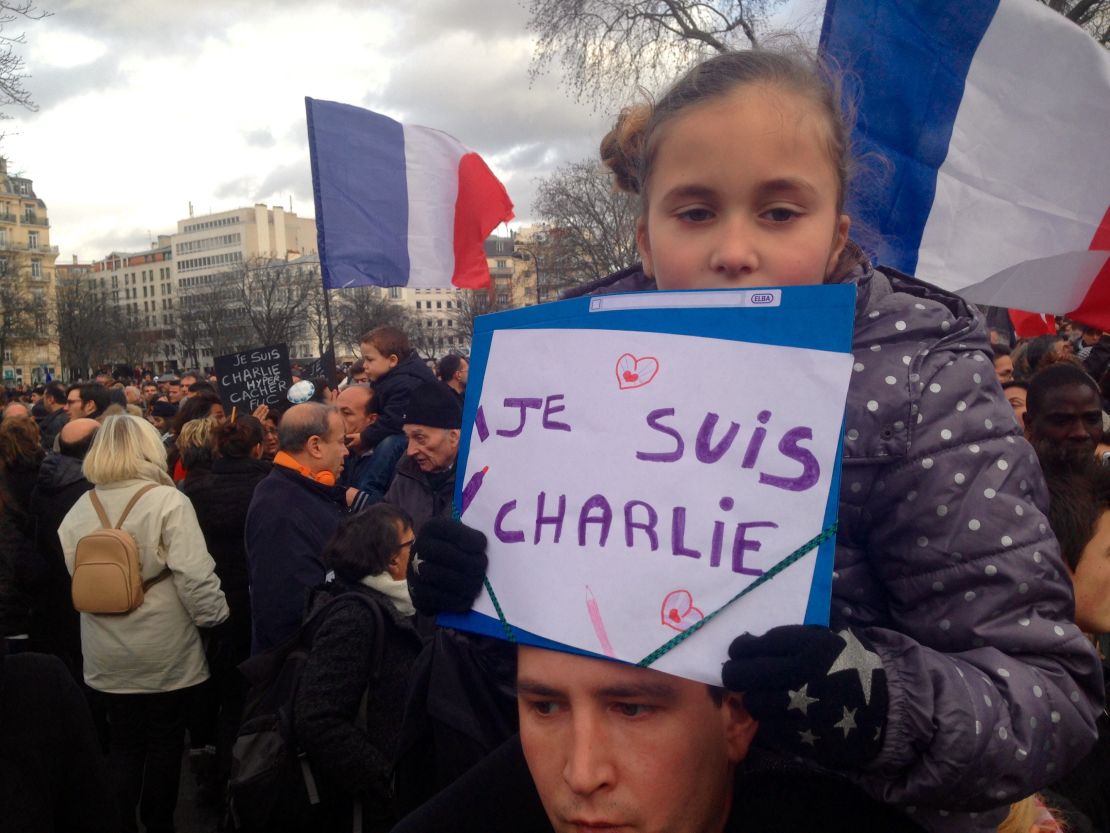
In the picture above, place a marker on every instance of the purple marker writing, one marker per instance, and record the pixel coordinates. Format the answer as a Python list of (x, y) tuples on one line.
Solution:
[(471, 488)]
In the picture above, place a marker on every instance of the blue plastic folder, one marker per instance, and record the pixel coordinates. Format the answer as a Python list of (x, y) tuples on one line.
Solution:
[(814, 317)]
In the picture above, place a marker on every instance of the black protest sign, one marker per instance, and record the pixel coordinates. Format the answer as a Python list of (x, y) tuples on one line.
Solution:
[(323, 366), (259, 376)]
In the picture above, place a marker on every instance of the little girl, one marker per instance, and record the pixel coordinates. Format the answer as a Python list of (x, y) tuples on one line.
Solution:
[(967, 685)]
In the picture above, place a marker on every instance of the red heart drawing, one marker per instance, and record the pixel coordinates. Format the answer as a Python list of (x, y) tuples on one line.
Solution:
[(678, 611), (635, 372)]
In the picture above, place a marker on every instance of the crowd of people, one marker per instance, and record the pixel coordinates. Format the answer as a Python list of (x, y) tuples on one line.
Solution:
[(971, 584)]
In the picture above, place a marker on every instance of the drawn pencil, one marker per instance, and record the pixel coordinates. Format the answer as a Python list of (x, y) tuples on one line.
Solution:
[(599, 625), (471, 488)]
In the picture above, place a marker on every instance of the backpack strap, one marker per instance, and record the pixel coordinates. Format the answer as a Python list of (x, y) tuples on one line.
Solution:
[(100, 513), (131, 503)]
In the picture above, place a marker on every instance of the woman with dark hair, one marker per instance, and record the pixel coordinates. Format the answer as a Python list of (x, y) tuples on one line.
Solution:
[(203, 405), (352, 749), (221, 496), (21, 456)]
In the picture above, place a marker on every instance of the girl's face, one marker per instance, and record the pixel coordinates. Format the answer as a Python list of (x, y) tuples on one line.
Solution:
[(743, 193)]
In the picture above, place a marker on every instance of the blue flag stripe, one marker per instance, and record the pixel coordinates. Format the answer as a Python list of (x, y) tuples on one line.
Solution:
[(361, 195), (905, 65)]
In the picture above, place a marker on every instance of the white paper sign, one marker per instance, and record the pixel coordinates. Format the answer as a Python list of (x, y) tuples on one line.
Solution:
[(632, 483)]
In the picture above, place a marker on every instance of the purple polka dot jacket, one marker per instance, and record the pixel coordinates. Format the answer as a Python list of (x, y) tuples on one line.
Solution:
[(945, 562)]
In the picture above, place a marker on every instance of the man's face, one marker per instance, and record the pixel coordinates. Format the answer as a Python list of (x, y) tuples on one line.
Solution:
[(1016, 396), (187, 383), (331, 449), (150, 392), (463, 373), (76, 408), (104, 379), (1091, 337), (1004, 368), (358, 373), (352, 403), (620, 748), (432, 449), (1092, 581), (173, 391), (1070, 421)]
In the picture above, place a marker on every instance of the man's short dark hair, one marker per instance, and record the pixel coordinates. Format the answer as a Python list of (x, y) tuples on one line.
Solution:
[(364, 543), (92, 392), (1078, 497), (55, 392), (1000, 350), (1053, 377), (294, 434), (448, 366), (202, 386)]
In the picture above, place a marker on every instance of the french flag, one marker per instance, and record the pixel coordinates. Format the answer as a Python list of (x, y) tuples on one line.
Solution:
[(994, 116), (396, 204)]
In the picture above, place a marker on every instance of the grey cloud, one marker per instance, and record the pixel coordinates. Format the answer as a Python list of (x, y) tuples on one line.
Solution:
[(238, 187), (293, 179), (428, 19), (261, 138), (50, 86)]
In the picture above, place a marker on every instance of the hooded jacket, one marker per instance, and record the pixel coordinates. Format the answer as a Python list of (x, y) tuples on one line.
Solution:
[(391, 397), (413, 491), (945, 561)]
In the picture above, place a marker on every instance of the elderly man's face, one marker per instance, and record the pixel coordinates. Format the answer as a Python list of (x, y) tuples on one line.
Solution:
[(432, 449), (622, 748)]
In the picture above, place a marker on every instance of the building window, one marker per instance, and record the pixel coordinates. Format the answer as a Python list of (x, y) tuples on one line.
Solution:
[(36, 268), (32, 240), (439, 304), (395, 292)]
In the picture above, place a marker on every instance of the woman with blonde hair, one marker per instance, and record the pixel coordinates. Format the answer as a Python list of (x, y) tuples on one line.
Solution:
[(147, 661)]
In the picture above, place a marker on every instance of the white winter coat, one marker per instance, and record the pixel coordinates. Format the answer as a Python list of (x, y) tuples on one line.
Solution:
[(157, 646)]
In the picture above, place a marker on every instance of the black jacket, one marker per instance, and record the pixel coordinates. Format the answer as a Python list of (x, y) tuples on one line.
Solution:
[(413, 491), (51, 426), (289, 521), (340, 667), (52, 775), (55, 625), (391, 397)]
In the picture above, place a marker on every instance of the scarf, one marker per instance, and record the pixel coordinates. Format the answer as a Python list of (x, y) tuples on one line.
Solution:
[(397, 591)]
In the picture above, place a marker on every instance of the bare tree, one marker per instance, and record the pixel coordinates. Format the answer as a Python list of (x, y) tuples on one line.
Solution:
[(190, 327), (610, 48), (592, 226), (133, 341), (20, 311), (471, 304), (83, 321), (1092, 15), (12, 75), (358, 310), (274, 297)]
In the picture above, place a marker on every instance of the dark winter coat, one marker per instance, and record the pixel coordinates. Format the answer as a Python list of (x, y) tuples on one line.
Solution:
[(946, 562), (350, 760), (15, 600), (391, 397), (51, 426), (289, 521), (55, 625), (52, 775), (221, 497), (412, 490)]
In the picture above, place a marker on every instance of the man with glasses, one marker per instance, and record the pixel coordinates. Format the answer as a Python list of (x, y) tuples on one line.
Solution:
[(88, 400)]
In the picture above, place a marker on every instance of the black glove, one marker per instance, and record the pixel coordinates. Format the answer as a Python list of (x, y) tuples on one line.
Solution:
[(446, 567), (815, 693)]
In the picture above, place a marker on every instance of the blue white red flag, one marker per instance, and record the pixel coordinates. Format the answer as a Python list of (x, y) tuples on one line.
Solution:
[(397, 204), (995, 118)]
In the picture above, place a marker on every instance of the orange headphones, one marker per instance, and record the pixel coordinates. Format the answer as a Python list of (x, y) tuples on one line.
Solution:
[(324, 478)]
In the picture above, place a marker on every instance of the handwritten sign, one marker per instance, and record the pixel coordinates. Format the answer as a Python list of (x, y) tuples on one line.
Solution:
[(324, 366), (631, 483), (259, 376)]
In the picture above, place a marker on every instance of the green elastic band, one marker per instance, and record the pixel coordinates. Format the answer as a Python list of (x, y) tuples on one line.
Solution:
[(808, 546)]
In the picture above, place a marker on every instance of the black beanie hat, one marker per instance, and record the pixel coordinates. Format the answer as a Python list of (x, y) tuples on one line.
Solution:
[(435, 405), (160, 408)]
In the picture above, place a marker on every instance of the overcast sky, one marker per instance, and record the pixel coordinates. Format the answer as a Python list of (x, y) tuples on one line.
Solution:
[(148, 105)]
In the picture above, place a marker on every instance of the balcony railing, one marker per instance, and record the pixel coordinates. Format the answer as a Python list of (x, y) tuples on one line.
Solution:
[(7, 217), (35, 220), (13, 246)]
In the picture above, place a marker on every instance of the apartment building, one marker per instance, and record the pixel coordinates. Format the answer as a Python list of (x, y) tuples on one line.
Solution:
[(30, 349)]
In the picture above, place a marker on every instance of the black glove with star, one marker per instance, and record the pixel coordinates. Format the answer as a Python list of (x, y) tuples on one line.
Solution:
[(815, 693), (446, 567)]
